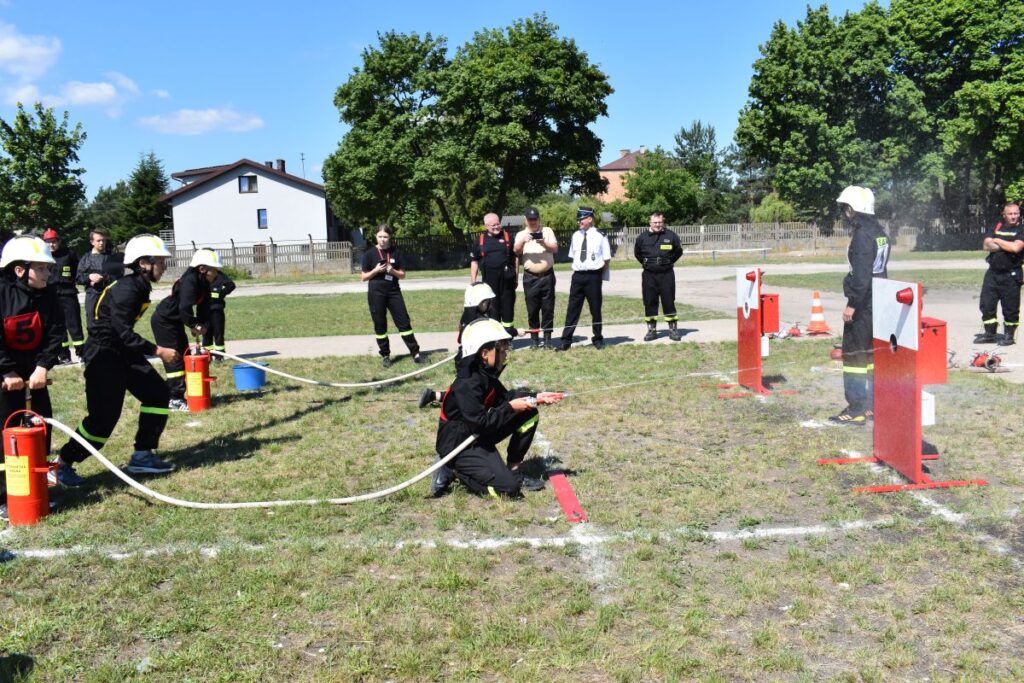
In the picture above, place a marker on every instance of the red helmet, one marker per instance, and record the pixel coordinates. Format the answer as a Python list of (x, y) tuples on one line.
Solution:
[(50, 234)]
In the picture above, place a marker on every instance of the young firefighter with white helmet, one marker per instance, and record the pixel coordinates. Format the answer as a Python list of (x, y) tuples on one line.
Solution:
[(115, 362), (182, 310), (32, 328), (477, 403), (869, 258)]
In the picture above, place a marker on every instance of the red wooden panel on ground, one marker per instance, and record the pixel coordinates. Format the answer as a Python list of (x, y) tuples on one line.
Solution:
[(567, 498), (898, 410)]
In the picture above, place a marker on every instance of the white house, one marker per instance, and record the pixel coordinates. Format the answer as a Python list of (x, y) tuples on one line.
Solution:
[(248, 202)]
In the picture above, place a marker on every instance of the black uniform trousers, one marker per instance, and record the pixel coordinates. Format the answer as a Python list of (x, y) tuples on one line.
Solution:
[(381, 302), (504, 307), (1000, 287), (108, 374), (585, 285), (213, 337), (858, 361), (171, 335), (655, 286), (480, 468), (539, 291), (68, 299)]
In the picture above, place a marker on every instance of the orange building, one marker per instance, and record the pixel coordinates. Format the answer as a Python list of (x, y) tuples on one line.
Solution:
[(615, 174)]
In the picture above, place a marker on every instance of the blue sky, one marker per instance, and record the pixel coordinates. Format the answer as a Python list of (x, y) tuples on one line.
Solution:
[(209, 83)]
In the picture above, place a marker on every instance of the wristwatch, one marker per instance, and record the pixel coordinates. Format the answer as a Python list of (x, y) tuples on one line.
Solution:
[(532, 400)]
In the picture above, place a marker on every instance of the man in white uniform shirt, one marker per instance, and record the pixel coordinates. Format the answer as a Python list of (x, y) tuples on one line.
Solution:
[(590, 254)]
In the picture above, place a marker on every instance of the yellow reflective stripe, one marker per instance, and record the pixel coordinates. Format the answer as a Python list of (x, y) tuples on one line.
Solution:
[(66, 344), (90, 437), (665, 247), (855, 371), (154, 411), (671, 318), (507, 324), (214, 295), (870, 367), (405, 334), (529, 424), (990, 321), (180, 373), (96, 309), (491, 492), (217, 347), (382, 336), (78, 343), (1009, 324), (651, 318)]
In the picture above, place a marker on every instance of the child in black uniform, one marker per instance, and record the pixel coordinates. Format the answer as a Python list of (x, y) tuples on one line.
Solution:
[(33, 327), (115, 362), (213, 337), (477, 403), (382, 269)]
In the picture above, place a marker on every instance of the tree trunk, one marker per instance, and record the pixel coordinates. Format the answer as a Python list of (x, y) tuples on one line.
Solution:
[(447, 218)]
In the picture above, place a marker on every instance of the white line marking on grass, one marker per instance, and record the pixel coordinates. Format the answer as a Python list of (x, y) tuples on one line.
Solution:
[(781, 532), (815, 424)]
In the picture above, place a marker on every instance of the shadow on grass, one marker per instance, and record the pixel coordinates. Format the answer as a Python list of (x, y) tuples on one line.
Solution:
[(16, 667), (254, 395)]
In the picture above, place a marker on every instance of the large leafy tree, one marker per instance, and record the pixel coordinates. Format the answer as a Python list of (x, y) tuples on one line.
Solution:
[(434, 139), (141, 209), (658, 183), (40, 183), (697, 152)]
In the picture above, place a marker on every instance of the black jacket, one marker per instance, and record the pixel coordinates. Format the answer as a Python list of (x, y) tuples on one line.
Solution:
[(476, 403), (221, 286), (33, 327), (659, 251), (97, 264), (64, 272), (869, 258), (1005, 261), (183, 305), (120, 306)]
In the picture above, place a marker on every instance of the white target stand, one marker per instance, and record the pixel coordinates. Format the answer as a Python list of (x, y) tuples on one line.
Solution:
[(757, 316), (909, 352)]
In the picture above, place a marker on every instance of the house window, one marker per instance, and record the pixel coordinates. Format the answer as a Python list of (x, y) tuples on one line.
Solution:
[(261, 219), (247, 184)]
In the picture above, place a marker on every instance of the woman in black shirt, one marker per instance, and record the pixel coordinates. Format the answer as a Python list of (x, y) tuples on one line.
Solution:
[(382, 269)]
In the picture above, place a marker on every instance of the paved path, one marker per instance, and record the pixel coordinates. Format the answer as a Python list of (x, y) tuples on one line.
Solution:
[(702, 286)]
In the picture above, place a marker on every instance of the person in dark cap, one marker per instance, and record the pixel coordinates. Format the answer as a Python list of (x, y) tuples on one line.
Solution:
[(590, 254), (536, 247)]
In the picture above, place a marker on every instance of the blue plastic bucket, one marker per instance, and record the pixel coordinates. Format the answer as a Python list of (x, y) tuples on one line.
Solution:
[(248, 378)]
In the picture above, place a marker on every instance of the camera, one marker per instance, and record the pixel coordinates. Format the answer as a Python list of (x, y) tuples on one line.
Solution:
[(537, 235)]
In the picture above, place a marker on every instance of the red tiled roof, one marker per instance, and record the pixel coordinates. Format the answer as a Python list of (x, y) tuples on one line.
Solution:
[(218, 171), (626, 162)]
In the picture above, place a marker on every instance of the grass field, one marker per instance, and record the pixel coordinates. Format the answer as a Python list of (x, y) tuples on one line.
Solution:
[(389, 591), (311, 315), (932, 278)]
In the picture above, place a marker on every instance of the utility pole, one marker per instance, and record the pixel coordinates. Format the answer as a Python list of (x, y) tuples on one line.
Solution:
[(302, 158)]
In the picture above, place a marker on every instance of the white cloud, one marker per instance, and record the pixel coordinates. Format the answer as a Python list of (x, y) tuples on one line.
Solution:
[(123, 83), (26, 94), (85, 94), (200, 121), (26, 56), (161, 93)]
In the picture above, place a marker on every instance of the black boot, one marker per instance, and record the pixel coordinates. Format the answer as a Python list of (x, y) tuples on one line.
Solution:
[(673, 331), (1008, 332), (546, 344), (988, 336), (652, 331), (534, 342)]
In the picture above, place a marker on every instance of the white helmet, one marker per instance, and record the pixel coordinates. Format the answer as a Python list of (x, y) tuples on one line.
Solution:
[(860, 199), (476, 294), (206, 257), (27, 249), (144, 245), (481, 332)]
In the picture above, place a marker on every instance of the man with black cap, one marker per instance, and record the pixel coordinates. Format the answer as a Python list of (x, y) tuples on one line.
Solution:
[(62, 277), (536, 247), (491, 257), (590, 254)]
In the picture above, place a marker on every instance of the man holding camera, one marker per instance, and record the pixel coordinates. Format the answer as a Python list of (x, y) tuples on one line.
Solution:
[(535, 247), (491, 257)]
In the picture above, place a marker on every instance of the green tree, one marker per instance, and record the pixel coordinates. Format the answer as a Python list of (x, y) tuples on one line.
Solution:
[(40, 184), (142, 211), (106, 211), (698, 153), (772, 209), (434, 140), (658, 183)]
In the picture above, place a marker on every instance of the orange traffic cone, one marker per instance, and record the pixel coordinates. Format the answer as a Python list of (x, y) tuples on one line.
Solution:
[(818, 324)]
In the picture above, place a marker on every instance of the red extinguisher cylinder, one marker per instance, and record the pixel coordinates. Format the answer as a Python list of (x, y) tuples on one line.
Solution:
[(197, 379), (28, 496)]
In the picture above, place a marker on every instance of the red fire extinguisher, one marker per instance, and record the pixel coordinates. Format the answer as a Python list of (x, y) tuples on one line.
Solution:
[(28, 496), (197, 378)]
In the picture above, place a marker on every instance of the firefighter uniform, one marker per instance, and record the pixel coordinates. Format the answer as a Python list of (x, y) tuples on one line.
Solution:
[(213, 337), (115, 362), (384, 295), (33, 329), (63, 276), (477, 403), (182, 309), (869, 258), (658, 253), (1002, 284), (96, 264), (497, 263)]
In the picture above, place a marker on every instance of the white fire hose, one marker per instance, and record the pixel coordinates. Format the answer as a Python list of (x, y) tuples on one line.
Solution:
[(257, 504), (339, 385)]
